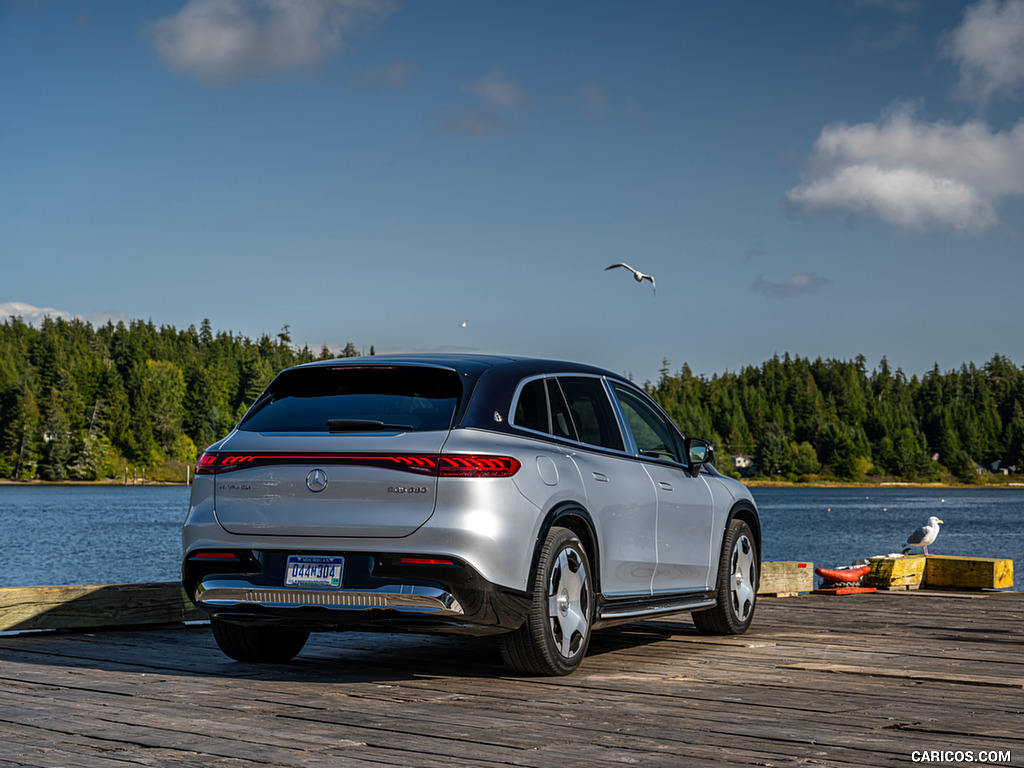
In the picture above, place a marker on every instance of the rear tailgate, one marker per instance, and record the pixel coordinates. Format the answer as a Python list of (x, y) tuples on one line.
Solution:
[(337, 486), (337, 450)]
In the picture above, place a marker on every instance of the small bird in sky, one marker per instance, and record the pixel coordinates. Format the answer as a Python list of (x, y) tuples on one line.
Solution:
[(463, 324), (924, 535), (637, 275)]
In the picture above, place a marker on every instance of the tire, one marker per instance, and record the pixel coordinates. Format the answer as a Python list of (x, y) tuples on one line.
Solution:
[(274, 645), (554, 638), (736, 593)]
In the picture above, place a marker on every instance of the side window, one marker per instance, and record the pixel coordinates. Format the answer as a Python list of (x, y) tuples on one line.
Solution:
[(561, 419), (652, 433), (532, 407), (591, 412)]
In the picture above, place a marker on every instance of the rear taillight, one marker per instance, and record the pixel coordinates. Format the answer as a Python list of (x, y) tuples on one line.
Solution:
[(457, 465), (449, 465)]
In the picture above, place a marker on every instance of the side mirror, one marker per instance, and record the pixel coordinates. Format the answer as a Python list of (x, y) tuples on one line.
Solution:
[(698, 453)]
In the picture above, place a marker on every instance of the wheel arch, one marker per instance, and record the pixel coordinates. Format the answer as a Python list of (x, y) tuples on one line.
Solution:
[(747, 512), (571, 515)]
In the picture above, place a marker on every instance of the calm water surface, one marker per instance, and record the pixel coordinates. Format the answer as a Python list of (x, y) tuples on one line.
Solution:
[(835, 526), (116, 534), (90, 534)]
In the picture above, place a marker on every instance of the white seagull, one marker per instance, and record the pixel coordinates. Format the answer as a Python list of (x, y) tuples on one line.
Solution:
[(637, 275), (924, 535)]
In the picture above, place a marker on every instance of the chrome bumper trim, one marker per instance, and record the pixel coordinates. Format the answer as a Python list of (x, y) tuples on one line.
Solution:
[(221, 593)]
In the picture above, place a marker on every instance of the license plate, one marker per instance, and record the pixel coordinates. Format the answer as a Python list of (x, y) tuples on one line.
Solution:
[(314, 571)]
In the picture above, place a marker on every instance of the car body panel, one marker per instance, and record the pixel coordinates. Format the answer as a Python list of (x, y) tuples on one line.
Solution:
[(357, 500), (622, 501), (685, 520)]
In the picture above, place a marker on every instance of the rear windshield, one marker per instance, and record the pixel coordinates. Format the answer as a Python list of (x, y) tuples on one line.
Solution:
[(339, 399)]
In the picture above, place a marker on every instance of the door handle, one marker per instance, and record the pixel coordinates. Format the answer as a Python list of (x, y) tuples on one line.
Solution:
[(665, 486), (600, 478)]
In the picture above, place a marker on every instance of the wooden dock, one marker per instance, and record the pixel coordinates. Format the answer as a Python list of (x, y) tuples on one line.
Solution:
[(862, 680)]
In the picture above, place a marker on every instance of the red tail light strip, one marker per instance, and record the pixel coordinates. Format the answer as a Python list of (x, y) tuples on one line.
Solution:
[(451, 465)]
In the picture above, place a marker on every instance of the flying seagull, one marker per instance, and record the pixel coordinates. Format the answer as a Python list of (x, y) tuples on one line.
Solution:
[(924, 535), (637, 275)]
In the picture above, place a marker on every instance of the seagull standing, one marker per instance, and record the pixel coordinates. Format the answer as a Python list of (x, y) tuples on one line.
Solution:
[(924, 535), (637, 275)]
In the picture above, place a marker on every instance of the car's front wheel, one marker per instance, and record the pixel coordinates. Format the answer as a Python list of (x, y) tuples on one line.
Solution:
[(555, 636), (258, 644), (736, 593)]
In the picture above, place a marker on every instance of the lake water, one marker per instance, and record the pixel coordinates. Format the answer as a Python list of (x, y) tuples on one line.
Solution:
[(116, 534)]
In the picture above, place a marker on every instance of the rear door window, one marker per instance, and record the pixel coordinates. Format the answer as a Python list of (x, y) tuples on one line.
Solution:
[(357, 398), (532, 407), (591, 411), (541, 407), (561, 418)]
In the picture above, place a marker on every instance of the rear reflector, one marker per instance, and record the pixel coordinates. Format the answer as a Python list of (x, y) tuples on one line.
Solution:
[(425, 561), (214, 556), (450, 465)]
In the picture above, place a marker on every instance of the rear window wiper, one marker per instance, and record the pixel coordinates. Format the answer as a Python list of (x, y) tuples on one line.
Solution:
[(363, 425)]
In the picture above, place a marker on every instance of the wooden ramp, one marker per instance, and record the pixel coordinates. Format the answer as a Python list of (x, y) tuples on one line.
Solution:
[(863, 680)]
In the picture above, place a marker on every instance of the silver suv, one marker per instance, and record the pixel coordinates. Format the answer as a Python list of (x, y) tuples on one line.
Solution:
[(534, 500)]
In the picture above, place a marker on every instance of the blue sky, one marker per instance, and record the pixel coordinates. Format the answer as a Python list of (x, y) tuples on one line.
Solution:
[(826, 179)]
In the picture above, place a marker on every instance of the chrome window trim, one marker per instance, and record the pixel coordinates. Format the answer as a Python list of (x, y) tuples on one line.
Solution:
[(548, 436), (620, 416), (631, 452), (624, 426)]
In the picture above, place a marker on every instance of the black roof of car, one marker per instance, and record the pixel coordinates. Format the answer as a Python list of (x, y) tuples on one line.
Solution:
[(473, 365), (493, 379)]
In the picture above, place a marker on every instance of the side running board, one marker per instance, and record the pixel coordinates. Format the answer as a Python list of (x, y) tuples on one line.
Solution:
[(654, 607)]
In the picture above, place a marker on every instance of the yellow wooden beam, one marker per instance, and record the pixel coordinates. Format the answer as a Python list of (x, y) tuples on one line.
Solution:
[(896, 572), (97, 605), (949, 572)]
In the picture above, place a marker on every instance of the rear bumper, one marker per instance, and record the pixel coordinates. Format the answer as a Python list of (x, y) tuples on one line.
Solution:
[(377, 592)]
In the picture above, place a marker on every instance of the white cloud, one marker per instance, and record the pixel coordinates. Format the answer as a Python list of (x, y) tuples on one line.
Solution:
[(989, 47), (498, 91), (224, 41), (496, 100), (394, 76), (594, 97), (805, 282), (34, 315), (914, 174)]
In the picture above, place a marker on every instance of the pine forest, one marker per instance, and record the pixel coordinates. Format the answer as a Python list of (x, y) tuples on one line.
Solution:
[(84, 403)]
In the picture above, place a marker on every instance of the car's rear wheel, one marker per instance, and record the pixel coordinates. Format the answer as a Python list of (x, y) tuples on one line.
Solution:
[(555, 636), (736, 593), (258, 644)]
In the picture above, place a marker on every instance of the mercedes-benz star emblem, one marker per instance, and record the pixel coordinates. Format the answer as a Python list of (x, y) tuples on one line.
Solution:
[(316, 480)]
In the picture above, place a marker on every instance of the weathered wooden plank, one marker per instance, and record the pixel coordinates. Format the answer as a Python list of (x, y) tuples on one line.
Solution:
[(785, 578), (655, 693), (912, 674), (87, 606)]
